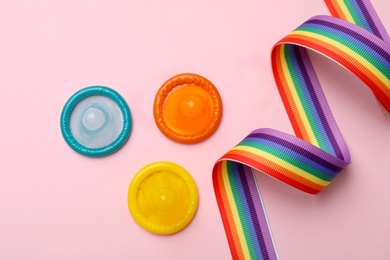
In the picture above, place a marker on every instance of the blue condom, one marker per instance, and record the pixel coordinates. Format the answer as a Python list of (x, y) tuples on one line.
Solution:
[(96, 121)]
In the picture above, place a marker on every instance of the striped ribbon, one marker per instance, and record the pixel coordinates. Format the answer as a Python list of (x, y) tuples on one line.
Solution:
[(353, 37)]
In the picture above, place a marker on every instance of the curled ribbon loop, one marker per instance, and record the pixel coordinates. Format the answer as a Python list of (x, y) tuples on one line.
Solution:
[(353, 37)]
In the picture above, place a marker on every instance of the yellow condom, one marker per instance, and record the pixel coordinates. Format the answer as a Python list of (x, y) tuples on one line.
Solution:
[(163, 198)]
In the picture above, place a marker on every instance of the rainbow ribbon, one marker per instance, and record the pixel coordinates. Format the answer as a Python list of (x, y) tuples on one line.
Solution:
[(355, 38)]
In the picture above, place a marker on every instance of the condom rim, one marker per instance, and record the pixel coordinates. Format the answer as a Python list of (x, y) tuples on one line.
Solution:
[(72, 103)]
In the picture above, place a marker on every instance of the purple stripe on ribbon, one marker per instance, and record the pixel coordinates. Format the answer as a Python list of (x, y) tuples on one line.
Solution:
[(328, 117), (260, 214), (252, 209), (305, 65), (373, 19), (362, 38), (356, 32), (311, 156), (302, 147), (368, 17)]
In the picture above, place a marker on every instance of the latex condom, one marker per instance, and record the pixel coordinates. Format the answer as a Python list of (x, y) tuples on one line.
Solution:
[(96, 121), (163, 198), (187, 108)]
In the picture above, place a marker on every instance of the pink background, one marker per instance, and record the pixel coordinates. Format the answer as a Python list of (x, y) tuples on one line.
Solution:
[(57, 204)]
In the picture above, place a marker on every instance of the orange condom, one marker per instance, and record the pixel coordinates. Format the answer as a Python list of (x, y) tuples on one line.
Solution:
[(188, 108)]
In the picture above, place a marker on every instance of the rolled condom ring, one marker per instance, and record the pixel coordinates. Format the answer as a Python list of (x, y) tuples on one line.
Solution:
[(353, 37), (188, 108), (96, 121), (163, 197)]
